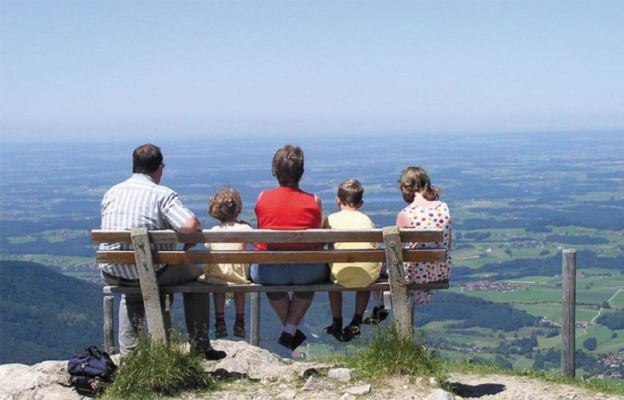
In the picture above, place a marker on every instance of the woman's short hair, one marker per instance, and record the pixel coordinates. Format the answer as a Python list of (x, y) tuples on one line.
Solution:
[(225, 205), (146, 159), (288, 165), (350, 192), (416, 180)]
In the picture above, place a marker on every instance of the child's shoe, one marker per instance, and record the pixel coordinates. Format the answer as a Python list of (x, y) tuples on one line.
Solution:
[(379, 314), (221, 330), (239, 330), (351, 331), (336, 331)]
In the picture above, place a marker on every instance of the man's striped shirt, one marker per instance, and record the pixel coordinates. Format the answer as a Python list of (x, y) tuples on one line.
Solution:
[(139, 202)]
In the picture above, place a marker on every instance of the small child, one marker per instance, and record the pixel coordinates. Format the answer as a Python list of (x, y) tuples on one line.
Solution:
[(225, 206), (354, 274)]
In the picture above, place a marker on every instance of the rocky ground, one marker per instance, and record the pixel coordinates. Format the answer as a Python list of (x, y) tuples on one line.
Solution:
[(257, 374)]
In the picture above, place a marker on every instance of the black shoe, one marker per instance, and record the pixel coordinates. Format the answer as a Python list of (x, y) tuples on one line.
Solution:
[(214, 355), (351, 331), (337, 332), (292, 342), (378, 315), (299, 338)]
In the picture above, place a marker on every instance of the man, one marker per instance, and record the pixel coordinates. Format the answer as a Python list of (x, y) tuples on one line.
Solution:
[(141, 202)]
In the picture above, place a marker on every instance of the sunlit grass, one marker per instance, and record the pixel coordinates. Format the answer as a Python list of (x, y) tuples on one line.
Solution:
[(156, 370)]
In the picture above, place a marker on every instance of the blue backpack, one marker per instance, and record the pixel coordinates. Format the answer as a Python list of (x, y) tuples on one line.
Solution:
[(91, 371)]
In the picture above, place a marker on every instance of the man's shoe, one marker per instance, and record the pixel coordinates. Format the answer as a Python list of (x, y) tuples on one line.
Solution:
[(214, 355)]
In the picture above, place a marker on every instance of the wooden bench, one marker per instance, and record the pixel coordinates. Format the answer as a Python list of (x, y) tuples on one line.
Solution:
[(390, 250)]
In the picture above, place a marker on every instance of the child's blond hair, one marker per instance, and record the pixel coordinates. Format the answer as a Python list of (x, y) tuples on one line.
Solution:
[(225, 205)]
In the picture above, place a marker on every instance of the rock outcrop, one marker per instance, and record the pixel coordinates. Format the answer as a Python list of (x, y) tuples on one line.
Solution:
[(259, 374)]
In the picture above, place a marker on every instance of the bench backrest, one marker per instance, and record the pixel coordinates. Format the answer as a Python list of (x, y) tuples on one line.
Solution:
[(326, 236)]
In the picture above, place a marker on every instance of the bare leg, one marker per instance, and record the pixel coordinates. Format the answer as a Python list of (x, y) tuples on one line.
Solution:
[(361, 301), (281, 307), (335, 303), (239, 303), (298, 307), (219, 302)]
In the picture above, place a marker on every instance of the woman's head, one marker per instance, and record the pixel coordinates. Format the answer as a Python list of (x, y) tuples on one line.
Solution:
[(225, 205), (416, 180), (288, 165)]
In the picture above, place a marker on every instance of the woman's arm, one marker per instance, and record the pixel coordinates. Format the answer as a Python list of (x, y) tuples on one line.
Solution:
[(403, 221)]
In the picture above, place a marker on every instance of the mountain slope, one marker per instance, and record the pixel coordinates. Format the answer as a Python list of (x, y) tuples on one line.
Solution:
[(44, 314)]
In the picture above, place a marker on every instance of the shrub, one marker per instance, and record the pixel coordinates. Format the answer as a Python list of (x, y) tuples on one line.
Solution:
[(388, 353), (157, 369)]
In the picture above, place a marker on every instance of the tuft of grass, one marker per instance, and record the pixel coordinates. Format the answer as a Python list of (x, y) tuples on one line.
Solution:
[(157, 369), (388, 353)]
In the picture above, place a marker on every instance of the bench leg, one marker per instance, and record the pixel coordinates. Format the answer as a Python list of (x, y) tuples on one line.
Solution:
[(254, 320), (396, 278), (108, 304)]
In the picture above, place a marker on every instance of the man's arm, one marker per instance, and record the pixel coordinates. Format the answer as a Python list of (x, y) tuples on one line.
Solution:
[(190, 226)]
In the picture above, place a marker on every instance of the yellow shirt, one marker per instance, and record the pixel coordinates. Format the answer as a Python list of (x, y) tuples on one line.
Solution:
[(224, 274), (355, 274)]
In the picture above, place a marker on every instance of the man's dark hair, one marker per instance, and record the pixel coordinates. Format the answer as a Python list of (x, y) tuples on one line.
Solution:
[(350, 192), (146, 159), (288, 165)]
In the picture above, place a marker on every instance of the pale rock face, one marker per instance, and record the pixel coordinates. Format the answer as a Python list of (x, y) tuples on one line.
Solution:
[(47, 380), (275, 377)]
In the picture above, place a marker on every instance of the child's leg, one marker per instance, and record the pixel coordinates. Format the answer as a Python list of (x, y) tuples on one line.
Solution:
[(361, 301), (335, 304), (354, 328), (219, 305), (379, 312), (239, 324)]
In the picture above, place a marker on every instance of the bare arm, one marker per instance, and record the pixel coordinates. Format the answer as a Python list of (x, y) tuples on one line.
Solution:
[(402, 221), (190, 226), (320, 206)]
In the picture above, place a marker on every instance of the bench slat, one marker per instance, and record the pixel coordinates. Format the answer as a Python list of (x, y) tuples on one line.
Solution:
[(268, 236), (265, 257), (197, 287)]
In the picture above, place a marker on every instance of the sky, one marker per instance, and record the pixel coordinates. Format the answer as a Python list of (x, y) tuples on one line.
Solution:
[(176, 69)]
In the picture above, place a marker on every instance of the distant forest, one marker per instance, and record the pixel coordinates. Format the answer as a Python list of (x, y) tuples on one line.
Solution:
[(44, 314)]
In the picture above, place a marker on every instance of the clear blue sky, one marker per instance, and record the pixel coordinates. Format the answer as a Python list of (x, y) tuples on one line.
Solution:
[(179, 68)]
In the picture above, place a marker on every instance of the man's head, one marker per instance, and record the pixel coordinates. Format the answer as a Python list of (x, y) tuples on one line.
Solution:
[(288, 165), (350, 193), (147, 159)]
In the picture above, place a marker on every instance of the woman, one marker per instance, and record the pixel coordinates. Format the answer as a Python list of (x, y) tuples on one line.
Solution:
[(289, 208), (425, 211)]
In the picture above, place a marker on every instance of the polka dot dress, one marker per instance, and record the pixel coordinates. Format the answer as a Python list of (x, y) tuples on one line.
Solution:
[(428, 218)]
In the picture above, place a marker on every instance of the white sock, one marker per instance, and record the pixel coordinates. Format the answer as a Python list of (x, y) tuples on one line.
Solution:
[(290, 328)]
